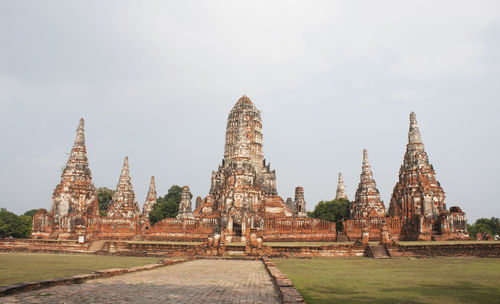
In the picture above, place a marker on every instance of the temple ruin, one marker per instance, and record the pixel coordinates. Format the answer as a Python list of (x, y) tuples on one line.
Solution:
[(243, 204), (418, 199)]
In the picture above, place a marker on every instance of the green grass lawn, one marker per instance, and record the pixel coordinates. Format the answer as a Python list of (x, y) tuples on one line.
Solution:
[(399, 280), (25, 267), (300, 244), (165, 242), (318, 244)]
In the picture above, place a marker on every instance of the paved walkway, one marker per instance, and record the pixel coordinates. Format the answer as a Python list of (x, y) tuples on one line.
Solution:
[(199, 281)]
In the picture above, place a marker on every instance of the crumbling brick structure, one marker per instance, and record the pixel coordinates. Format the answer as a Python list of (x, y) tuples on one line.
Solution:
[(243, 190), (367, 218), (418, 199), (243, 200), (417, 210), (242, 196), (74, 198)]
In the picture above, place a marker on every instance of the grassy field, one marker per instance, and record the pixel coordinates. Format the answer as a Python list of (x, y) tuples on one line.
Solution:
[(400, 280), (318, 244), (165, 242), (24, 267)]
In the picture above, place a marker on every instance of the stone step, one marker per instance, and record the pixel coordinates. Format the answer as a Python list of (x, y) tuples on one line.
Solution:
[(378, 252), (95, 246)]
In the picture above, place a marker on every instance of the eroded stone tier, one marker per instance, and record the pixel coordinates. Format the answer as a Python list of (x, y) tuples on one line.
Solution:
[(299, 203), (123, 203), (151, 198), (185, 208), (75, 194), (367, 203), (243, 180), (341, 194), (417, 192)]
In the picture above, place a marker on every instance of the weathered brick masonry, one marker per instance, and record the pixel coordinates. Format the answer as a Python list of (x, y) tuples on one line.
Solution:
[(243, 204), (242, 198)]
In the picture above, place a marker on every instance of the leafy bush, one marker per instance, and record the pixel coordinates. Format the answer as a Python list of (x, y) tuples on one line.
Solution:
[(167, 206), (334, 211), (12, 225)]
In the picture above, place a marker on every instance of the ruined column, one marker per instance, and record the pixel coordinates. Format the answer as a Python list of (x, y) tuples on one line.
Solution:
[(185, 210), (299, 203)]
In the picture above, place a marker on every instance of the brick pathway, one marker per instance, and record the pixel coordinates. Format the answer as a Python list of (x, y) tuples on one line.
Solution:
[(199, 281)]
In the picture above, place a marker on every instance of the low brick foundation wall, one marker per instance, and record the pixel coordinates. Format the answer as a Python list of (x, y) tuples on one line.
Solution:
[(315, 251), (487, 249), (283, 284), (451, 250)]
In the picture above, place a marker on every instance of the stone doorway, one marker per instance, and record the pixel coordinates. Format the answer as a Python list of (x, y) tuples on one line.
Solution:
[(237, 229)]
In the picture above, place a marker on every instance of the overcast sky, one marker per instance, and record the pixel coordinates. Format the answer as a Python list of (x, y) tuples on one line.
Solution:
[(155, 80)]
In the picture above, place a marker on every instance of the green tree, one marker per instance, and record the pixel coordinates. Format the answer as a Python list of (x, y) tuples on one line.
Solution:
[(484, 225), (104, 196), (333, 211), (167, 206), (31, 212), (15, 226)]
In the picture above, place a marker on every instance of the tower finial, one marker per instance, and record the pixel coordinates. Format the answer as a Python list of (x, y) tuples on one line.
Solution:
[(80, 134), (125, 169), (366, 163), (414, 133)]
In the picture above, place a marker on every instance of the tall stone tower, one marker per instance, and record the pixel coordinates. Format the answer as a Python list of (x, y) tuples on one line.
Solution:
[(244, 186), (243, 178), (417, 192), (367, 203), (75, 194), (341, 194), (151, 199), (123, 203)]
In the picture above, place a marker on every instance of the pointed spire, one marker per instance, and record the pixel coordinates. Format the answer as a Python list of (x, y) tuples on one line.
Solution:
[(244, 100), (152, 188), (125, 175), (366, 164), (341, 194), (414, 133), (76, 193), (151, 198), (80, 134), (367, 199), (123, 203), (78, 152)]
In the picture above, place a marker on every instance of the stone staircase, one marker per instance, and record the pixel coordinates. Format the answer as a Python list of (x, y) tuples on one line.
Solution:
[(377, 252), (95, 246)]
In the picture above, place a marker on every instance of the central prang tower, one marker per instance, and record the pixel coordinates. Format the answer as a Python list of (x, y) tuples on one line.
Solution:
[(244, 186)]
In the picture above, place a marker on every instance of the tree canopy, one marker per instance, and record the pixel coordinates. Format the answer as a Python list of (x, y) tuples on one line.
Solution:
[(484, 225), (12, 225), (166, 206), (104, 196), (333, 211)]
